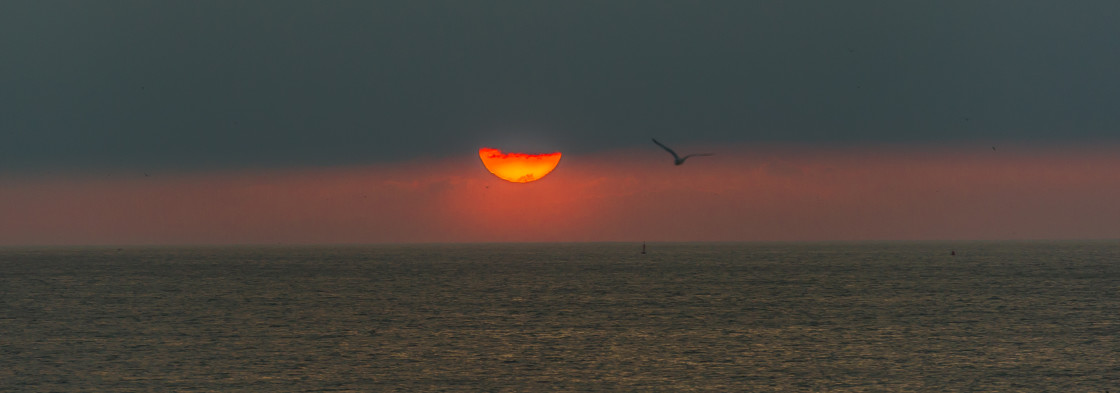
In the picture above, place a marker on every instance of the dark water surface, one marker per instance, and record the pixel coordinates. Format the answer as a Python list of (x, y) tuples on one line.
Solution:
[(1041, 316)]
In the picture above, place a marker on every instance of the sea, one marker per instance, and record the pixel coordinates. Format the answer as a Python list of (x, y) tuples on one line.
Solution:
[(684, 317)]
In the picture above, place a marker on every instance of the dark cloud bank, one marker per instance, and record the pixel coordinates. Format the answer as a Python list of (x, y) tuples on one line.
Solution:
[(218, 84)]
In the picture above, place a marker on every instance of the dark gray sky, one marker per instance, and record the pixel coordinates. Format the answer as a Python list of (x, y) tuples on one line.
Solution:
[(218, 84)]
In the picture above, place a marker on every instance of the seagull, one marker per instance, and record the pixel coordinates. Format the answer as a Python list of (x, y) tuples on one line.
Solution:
[(677, 160)]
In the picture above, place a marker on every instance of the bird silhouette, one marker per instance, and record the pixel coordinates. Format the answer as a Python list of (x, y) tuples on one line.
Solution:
[(677, 160)]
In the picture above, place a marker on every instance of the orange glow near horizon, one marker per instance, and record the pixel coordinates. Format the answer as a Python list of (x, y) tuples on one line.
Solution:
[(518, 167), (752, 193)]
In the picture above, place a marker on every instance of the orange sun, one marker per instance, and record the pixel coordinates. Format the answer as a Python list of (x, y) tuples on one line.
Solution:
[(518, 167)]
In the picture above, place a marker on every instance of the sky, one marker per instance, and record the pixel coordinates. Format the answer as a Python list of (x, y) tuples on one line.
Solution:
[(359, 122)]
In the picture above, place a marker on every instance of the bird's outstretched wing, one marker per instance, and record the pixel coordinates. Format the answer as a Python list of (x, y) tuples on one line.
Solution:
[(681, 161), (675, 156)]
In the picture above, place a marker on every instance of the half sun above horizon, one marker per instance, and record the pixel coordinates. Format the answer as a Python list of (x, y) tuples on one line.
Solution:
[(518, 167)]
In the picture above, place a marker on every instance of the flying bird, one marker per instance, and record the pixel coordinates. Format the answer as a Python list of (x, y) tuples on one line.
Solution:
[(677, 160)]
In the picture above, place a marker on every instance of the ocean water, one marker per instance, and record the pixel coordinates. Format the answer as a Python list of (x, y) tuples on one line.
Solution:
[(998, 316)]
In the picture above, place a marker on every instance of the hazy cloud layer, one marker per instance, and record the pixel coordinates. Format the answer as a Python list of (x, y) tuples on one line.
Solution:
[(215, 84)]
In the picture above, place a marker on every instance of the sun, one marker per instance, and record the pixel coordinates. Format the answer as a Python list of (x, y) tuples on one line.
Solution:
[(518, 167)]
